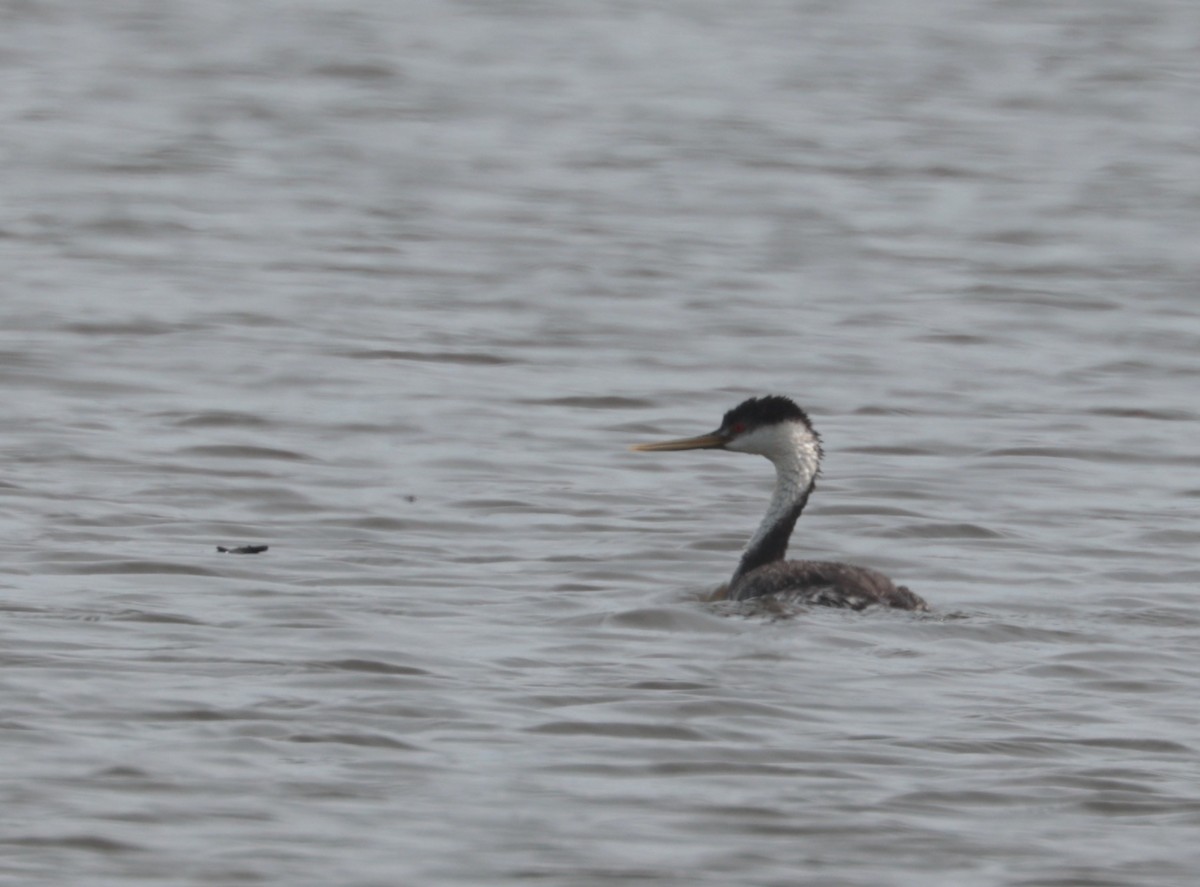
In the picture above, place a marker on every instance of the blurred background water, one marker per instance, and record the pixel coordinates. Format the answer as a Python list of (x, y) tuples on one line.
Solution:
[(391, 287)]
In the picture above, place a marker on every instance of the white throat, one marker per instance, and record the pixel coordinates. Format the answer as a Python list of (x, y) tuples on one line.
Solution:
[(795, 451)]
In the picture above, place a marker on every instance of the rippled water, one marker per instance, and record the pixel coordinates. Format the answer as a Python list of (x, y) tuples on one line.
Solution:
[(392, 287)]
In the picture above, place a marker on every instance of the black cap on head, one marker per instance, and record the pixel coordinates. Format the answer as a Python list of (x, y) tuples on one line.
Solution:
[(759, 411)]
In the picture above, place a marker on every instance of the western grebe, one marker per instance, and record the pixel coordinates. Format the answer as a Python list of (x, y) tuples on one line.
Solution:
[(773, 426)]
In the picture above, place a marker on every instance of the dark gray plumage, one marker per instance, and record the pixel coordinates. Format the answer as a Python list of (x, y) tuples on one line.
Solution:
[(827, 583)]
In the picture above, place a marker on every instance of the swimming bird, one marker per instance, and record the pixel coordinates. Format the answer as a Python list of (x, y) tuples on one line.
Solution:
[(773, 426)]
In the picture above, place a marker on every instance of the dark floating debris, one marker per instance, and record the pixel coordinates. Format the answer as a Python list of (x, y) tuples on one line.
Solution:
[(243, 549)]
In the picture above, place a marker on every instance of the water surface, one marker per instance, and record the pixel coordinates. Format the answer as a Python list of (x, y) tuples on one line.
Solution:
[(391, 289)]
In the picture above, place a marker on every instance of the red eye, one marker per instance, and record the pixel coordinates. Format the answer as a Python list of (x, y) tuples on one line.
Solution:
[(738, 427)]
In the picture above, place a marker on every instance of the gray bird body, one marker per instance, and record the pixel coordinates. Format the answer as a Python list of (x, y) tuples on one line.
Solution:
[(825, 583)]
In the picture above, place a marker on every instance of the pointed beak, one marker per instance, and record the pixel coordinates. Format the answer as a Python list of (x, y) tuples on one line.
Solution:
[(714, 441)]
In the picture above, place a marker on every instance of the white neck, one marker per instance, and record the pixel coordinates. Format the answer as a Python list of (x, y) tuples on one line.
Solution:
[(791, 482), (796, 453)]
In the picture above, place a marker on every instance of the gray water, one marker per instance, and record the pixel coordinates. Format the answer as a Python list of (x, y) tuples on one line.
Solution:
[(392, 287)]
